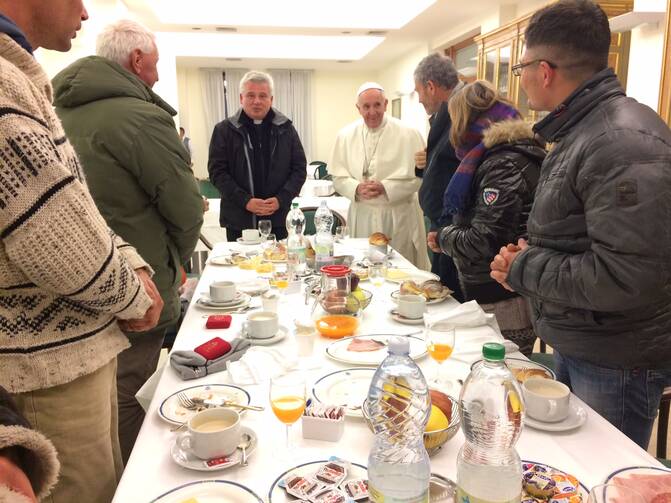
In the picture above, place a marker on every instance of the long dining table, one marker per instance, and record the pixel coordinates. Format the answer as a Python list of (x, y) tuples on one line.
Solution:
[(590, 452)]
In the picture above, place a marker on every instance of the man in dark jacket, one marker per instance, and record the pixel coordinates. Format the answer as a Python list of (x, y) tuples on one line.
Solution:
[(436, 80), (597, 266), (139, 175), (256, 161)]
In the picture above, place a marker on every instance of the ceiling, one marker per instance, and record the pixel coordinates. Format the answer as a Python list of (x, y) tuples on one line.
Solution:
[(200, 47)]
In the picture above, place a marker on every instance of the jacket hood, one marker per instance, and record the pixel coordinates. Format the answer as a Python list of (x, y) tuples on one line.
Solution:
[(94, 78), (278, 120), (508, 131)]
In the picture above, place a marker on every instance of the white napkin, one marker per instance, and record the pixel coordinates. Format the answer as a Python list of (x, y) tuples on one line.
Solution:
[(259, 364), (468, 314)]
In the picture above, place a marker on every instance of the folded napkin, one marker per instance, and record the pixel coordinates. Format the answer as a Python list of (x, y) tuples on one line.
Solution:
[(260, 364), (191, 365), (468, 314)]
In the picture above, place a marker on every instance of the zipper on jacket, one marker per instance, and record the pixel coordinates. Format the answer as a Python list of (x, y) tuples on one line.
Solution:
[(249, 171)]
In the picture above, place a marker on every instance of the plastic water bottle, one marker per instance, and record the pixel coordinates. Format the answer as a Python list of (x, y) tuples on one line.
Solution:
[(295, 240), (323, 217), (323, 247), (488, 467), (399, 405)]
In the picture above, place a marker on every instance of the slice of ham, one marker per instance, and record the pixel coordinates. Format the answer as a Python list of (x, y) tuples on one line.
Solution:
[(362, 345), (655, 488)]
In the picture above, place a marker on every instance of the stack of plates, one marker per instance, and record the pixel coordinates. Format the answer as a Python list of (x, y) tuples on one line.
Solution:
[(241, 300)]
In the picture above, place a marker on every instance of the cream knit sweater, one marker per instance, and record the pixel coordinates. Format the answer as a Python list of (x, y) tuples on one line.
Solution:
[(64, 277)]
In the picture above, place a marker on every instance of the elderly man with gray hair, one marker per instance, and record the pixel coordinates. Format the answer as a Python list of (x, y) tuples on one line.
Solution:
[(138, 172), (436, 80), (256, 161)]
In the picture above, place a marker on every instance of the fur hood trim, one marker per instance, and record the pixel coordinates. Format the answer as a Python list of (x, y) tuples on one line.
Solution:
[(43, 465), (508, 131)]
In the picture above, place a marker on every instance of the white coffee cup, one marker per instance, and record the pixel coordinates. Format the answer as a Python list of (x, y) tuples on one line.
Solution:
[(546, 399), (261, 325), (212, 433), (250, 235), (222, 291), (411, 306)]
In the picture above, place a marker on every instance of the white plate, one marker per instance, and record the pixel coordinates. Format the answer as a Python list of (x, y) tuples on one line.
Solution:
[(348, 387), (640, 478), (255, 242), (237, 300), (171, 411), (277, 494), (417, 275), (396, 293), (254, 287), (406, 321), (582, 489), (210, 491), (281, 334), (577, 416), (190, 461), (338, 350), (224, 260), (206, 305)]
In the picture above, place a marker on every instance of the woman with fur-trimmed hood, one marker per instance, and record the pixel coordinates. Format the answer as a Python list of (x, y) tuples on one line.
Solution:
[(488, 200), (28, 462)]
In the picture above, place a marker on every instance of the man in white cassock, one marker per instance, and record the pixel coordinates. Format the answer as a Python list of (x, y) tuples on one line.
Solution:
[(373, 164)]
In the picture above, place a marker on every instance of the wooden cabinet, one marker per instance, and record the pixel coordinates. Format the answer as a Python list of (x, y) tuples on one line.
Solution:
[(502, 48)]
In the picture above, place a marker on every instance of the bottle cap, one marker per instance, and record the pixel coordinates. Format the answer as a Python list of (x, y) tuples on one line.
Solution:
[(398, 345), (493, 351)]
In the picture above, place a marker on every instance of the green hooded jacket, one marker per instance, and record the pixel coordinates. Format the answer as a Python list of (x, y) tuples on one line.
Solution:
[(135, 164)]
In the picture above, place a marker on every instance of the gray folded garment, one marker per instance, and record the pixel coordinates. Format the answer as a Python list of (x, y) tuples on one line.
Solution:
[(191, 365)]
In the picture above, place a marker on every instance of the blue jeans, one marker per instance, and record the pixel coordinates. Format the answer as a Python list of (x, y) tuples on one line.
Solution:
[(628, 399)]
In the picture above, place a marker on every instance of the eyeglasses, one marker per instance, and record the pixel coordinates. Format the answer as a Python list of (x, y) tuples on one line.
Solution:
[(517, 69)]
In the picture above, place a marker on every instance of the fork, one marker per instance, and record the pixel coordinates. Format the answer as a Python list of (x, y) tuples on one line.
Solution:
[(185, 401)]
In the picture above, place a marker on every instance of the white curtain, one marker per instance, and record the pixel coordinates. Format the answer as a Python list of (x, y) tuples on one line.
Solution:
[(293, 97), (233, 78), (213, 94)]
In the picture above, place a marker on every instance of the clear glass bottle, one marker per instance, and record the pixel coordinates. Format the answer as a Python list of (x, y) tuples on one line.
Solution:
[(399, 405), (489, 469), (323, 218), (295, 240)]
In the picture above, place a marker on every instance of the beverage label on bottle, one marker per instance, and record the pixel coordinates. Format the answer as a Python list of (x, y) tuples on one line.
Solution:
[(464, 497), (377, 497)]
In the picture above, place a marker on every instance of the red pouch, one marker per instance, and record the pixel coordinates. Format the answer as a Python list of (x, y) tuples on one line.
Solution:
[(213, 349), (218, 321)]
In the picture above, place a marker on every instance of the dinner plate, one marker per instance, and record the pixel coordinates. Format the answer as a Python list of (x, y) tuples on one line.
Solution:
[(277, 494), (582, 489), (171, 411), (338, 350), (398, 275), (224, 260), (235, 301), (207, 305), (254, 287), (255, 242), (192, 462), (577, 415), (650, 481), (396, 293), (282, 332), (347, 387), (210, 491), (396, 316)]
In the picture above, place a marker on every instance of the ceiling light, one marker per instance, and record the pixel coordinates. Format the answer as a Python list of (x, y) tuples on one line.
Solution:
[(371, 14), (225, 45)]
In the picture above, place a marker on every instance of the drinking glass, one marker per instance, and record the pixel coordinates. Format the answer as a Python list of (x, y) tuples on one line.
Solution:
[(287, 399), (612, 493), (342, 233), (280, 280), (377, 273), (265, 228), (439, 338)]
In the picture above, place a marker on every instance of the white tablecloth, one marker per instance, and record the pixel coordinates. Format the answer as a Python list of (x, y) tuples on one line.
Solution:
[(590, 453)]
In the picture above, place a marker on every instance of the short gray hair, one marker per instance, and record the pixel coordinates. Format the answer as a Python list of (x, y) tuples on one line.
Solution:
[(257, 77), (438, 69), (118, 40)]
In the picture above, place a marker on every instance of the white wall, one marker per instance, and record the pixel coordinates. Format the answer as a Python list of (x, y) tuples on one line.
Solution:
[(645, 56)]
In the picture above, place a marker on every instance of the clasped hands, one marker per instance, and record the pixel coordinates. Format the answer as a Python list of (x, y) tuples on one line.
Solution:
[(150, 318), (262, 207), (500, 266), (370, 189)]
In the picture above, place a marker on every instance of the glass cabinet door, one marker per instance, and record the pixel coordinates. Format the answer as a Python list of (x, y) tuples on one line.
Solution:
[(503, 71)]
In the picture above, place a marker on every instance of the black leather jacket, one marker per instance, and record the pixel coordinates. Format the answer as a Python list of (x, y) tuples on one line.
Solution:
[(599, 263), (230, 170), (508, 173)]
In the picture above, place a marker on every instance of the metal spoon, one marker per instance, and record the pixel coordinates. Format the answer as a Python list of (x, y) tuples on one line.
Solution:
[(245, 440)]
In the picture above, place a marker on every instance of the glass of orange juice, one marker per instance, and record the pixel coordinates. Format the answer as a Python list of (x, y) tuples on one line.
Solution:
[(440, 344), (287, 399)]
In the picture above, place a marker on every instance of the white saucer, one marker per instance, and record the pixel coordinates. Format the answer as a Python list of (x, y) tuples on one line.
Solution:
[(224, 260), (255, 242), (281, 334), (205, 304), (238, 299), (577, 416), (190, 461), (404, 320)]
